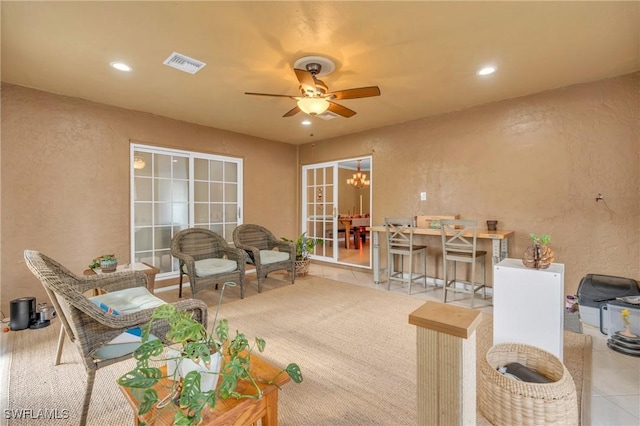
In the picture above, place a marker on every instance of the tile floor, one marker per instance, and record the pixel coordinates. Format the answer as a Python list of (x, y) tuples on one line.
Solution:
[(615, 386)]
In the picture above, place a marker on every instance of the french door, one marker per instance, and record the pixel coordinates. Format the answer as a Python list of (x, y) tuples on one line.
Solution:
[(331, 207), (319, 209)]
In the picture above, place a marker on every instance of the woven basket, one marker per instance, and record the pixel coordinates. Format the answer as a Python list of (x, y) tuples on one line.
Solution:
[(302, 267), (505, 401)]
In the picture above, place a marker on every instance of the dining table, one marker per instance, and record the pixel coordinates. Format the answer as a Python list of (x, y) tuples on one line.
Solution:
[(356, 224), (499, 243)]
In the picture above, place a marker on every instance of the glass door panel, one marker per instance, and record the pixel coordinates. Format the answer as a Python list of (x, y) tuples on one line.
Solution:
[(159, 202), (354, 210), (318, 208), (216, 195)]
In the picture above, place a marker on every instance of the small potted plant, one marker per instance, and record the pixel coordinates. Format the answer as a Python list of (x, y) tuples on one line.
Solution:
[(219, 360), (538, 255), (304, 248), (106, 262)]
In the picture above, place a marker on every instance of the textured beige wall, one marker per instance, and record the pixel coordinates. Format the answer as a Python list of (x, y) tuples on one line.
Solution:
[(65, 179), (536, 164)]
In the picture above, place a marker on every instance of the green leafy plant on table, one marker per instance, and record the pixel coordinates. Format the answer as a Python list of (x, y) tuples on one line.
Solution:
[(538, 255), (304, 245), (95, 263), (543, 239), (191, 339)]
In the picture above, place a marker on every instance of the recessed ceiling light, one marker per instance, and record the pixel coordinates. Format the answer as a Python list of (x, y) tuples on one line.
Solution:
[(306, 122), (486, 70), (121, 66)]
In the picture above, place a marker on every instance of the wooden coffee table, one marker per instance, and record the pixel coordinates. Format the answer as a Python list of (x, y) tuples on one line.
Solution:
[(245, 411)]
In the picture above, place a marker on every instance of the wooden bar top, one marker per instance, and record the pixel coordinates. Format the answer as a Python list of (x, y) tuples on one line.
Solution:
[(448, 319), (482, 233)]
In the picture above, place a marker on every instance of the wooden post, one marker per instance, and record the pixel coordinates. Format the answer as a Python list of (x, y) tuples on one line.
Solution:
[(446, 345)]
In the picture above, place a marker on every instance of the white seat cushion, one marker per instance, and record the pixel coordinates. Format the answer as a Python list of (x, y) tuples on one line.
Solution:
[(272, 256), (208, 267), (126, 301)]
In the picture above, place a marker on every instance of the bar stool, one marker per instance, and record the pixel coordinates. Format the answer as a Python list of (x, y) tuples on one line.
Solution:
[(400, 242), (459, 245)]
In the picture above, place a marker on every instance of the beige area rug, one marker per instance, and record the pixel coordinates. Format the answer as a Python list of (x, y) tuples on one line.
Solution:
[(354, 345)]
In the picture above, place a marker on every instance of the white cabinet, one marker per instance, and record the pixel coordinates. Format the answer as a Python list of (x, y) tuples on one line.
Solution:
[(528, 305)]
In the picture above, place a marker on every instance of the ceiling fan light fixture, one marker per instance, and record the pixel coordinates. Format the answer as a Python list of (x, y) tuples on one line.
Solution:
[(313, 106), (315, 99)]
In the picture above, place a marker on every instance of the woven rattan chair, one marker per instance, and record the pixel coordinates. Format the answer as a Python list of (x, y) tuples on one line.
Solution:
[(87, 325), (207, 259), (259, 243)]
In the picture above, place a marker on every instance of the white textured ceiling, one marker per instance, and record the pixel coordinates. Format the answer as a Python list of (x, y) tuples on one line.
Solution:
[(422, 55)]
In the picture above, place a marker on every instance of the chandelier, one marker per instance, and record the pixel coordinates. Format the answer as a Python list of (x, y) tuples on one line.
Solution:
[(359, 179)]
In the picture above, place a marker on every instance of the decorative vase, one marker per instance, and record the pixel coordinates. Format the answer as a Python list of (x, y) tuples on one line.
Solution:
[(108, 265), (538, 256)]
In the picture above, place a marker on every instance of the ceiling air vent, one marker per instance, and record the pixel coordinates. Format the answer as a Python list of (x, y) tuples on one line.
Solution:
[(184, 63)]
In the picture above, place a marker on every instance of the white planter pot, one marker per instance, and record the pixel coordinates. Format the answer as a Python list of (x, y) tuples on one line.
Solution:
[(172, 363), (208, 376)]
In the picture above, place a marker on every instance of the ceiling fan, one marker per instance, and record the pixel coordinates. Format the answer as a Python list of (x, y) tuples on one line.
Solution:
[(315, 96)]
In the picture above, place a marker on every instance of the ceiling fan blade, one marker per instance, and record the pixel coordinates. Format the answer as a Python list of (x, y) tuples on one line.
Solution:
[(268, 94), (293, 112), (360, 92), (306, 79), (341, 110)]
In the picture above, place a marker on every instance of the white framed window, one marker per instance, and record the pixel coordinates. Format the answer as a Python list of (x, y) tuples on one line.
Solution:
[(173, 190)]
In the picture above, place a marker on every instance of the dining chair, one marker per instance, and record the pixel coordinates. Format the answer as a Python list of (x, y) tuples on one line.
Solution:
[(400, 233), (104, 328), (207, 259), (341, 230), (459, 245)]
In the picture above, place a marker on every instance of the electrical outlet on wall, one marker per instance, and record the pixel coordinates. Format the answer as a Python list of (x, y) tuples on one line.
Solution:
[(423, 196)]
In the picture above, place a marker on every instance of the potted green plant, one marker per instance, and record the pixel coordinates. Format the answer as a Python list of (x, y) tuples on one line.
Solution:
[(538, 255), (189, 342), (304, 248), (106, 262)]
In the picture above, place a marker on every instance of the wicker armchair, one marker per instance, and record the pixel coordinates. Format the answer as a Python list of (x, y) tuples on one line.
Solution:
[(207, 259), (88, 326), (259, 243)]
